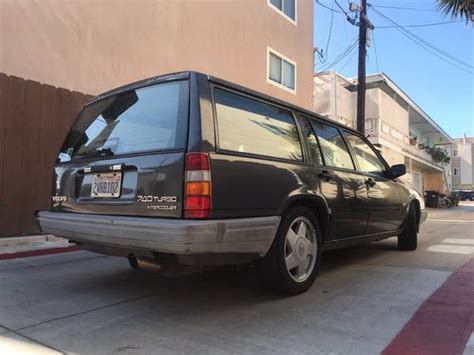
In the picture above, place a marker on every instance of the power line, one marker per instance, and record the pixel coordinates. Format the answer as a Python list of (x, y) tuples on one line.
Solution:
[(341, 56), (432, 46), (448, 58), (330, 33), (327, 7), (406, 8), (375, 50), (342, 9), (348, 61), (422, 25)]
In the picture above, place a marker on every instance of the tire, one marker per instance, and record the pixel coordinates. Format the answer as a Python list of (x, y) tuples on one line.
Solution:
[(444, 203), (293, 261), (408, 240)]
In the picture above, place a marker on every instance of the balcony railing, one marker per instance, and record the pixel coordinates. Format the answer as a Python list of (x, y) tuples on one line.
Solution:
[(375, 128)]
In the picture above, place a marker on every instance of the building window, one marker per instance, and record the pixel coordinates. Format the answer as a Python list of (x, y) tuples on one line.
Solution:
[(456, 171), (281, 71), (455, 152), (285, 7)]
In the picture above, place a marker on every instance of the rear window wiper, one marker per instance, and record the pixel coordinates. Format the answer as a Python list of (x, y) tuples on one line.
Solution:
[(98, 152)]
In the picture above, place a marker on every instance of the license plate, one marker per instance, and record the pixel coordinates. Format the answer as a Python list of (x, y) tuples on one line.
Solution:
[(106, 185)]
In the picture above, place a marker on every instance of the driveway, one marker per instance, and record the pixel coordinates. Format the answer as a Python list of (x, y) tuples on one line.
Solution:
[(80, 302)]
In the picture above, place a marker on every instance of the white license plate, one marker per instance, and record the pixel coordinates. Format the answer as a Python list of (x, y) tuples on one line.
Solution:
[(106, 185)]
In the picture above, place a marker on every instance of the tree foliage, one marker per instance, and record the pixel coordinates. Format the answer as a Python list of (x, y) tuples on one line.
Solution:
[(439, 155), (462, 9)]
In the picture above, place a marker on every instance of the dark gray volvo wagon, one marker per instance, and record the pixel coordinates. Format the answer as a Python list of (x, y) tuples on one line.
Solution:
[(187, 169)]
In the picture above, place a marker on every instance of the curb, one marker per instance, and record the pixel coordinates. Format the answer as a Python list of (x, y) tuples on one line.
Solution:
[(38, 252), (24, 239)]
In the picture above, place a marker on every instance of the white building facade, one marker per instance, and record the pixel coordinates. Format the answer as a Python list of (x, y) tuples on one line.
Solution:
[(462, 159), (395, 124)]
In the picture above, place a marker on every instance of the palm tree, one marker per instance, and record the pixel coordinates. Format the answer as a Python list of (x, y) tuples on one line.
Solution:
[(463, 9)]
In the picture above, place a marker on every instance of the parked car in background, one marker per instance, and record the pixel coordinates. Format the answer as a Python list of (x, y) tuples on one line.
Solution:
[(188, 169), (465, 195)]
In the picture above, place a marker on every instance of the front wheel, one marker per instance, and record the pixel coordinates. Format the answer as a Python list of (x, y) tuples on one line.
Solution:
[(292, 263)]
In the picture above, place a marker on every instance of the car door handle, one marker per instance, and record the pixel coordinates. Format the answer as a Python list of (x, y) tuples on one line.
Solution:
[(370, 182), (326, 175)]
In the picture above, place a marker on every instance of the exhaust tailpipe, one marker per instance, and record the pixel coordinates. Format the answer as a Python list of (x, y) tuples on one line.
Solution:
[(142, 263)]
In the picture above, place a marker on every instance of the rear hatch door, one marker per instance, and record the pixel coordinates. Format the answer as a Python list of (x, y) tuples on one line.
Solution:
[(125, 154)]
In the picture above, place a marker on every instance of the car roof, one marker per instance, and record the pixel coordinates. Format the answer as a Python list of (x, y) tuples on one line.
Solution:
[(187, 74)]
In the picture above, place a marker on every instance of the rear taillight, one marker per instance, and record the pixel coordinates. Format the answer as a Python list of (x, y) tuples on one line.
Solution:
[(197, 192)]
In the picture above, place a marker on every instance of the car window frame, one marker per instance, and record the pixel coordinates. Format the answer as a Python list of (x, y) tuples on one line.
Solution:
[(377, 153), (301, 117), (220, 150), (325, 165)]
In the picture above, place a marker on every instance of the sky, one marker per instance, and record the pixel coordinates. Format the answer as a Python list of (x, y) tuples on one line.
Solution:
[(444, 92)]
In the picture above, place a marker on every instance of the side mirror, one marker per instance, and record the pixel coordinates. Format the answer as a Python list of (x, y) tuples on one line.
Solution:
[(397, 170)]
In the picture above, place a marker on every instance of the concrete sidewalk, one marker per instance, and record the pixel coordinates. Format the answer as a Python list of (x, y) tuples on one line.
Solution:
[(91, 304)]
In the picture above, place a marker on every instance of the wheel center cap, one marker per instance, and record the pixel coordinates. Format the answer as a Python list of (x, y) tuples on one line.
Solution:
[(300, 248)]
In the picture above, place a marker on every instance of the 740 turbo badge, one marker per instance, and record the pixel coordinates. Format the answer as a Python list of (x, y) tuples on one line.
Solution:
[(159, 199), (151, 198)]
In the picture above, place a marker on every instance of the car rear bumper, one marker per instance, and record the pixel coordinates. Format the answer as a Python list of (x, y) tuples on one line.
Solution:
[(181, 237)]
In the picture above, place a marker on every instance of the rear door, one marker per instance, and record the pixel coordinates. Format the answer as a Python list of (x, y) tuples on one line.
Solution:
[(125, 154), (342, 187), (259, 158), (384, 196)]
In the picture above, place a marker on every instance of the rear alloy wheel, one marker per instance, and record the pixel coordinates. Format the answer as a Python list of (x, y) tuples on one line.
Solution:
[(300, 249), (292, 262), (407, 240)]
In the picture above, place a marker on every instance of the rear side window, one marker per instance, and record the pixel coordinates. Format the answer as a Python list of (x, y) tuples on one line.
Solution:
[(332, 145), (254, 127), (148, 119)]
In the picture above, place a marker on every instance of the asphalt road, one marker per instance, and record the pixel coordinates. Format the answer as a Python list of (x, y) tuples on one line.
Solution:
[(81, 302)]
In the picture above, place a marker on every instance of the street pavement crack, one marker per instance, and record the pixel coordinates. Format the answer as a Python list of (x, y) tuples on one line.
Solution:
[(88, 311)]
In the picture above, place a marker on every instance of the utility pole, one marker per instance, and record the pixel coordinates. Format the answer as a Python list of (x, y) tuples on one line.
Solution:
[(363, 23)]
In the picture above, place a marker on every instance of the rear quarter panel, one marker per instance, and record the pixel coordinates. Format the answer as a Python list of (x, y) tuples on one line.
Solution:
[(251, 187)]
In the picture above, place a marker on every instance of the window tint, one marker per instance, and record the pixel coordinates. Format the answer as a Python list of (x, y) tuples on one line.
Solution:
[(288, 7), (146, 119), (314, 150), (250, 126), (281, 71), (366, 158), (333, 148)]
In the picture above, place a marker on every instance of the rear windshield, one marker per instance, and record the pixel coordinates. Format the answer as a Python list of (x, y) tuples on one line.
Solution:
[(148, 119)]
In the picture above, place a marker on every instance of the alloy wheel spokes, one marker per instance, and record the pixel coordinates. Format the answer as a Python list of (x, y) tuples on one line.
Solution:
[(292, 261), (291, 237), (300, 249)]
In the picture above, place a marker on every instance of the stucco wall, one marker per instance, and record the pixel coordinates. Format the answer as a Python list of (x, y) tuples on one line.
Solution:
[(392, 113), (93, 46)]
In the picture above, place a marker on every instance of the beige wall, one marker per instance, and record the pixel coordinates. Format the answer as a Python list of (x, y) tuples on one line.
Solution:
[(93, 46), (464, 161), (391, 112)]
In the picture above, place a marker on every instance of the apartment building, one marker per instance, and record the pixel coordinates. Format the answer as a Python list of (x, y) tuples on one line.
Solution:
[(266, 45), (462, 159), (402, 131)]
